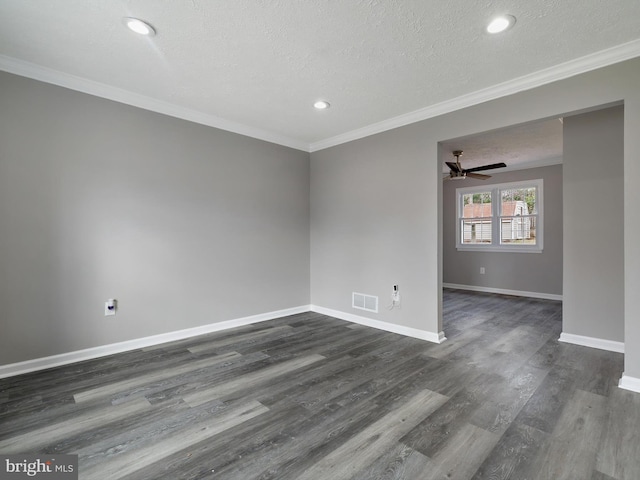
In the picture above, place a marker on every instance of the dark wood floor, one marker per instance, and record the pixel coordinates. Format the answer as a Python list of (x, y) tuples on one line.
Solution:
[(313, 397)]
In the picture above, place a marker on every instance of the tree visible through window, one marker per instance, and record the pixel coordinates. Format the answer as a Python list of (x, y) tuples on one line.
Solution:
[(500, 217)]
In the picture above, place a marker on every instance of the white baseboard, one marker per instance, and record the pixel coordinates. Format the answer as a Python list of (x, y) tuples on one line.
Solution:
[(592, 342), (504, 291), (630, 383), (101, 351), (380, 325)]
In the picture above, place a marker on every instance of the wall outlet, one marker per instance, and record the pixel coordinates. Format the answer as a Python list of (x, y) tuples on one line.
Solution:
[(482, 271), (110, 307), (395, 295)]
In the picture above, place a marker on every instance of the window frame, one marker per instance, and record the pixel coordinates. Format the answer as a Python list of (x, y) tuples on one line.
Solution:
[(496, 215)]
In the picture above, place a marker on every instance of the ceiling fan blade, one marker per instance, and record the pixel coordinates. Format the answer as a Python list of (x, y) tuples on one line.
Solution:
[(486, 167), (453, 166), (479, 176)]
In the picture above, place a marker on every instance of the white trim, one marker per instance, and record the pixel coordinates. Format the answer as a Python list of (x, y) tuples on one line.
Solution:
[(602, 344), (593, 61), (603, 58), (630, 383), (101, 351), (73, 82), (380, 325), (504, 291)]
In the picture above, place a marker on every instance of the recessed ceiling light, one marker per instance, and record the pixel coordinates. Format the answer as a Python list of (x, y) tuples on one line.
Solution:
[(321, 105), (140, 27), (501, 23)]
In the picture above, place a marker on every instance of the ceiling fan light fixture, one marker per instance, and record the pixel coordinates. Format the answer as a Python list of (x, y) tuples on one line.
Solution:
[(139, 26), (456, 172), (462, 176), (501, 23)]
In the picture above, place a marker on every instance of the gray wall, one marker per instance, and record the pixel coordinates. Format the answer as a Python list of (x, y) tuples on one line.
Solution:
[(594, 200), (98, 200), (184, 224), (527, 272), (368, 224), (376, 205)]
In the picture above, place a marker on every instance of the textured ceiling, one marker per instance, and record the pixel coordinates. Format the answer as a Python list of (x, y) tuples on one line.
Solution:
[(530, 144), (261, 64)]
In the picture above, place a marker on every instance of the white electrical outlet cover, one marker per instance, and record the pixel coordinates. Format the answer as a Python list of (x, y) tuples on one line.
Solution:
[(109, 311)]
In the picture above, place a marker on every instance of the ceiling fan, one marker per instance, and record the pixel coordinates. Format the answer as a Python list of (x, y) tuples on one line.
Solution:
[(459, 173)]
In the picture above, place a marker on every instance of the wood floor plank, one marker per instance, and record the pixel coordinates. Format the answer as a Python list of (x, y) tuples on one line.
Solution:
[(242, 448), (547, 355), (114, 388), (619, 455), (454, 344), (513, 456), (399, 463), (363, 379), (215, 344), (433, 433), (310, 386), (363, 449), (184, 343), (430, 377), (92, 373), (123, 463), (601, 476), (504, 405), (521, 340), (175, 387), (595, 370), (546, 404), (463, 454), (252, 380), (308, 342), (310, 441), (34, 440), (573, 447), (349, 341), (379, 380), (126, 430), (311, 396), (346, 379)]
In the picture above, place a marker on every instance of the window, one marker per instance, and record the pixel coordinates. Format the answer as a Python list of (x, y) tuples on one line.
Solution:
[(506, 217)]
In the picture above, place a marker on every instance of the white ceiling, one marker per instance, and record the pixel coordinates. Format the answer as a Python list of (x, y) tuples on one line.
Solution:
[(529, 145), (256, 66)]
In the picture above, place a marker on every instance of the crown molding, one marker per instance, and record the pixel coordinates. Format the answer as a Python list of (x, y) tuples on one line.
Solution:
[(603, 58), (73, 82), (568, 69)]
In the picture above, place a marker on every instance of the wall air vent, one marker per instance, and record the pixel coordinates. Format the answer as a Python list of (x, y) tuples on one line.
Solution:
[(364, 302)]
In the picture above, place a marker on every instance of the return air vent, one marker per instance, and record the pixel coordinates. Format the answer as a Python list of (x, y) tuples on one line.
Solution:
[(364, 302)]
